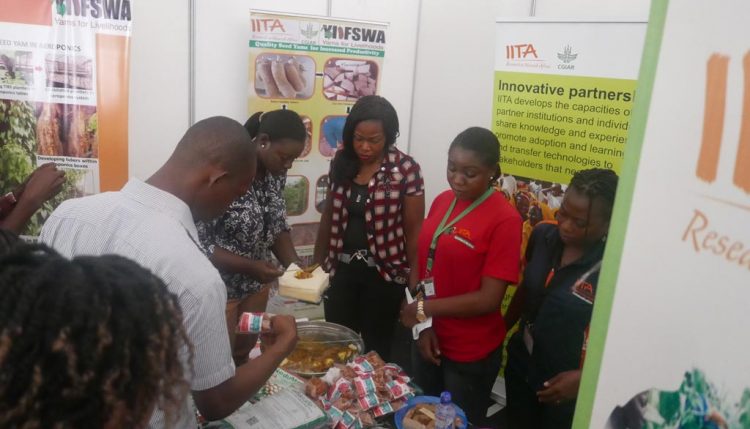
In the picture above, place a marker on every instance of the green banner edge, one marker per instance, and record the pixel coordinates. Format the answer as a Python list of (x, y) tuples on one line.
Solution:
[(618, 226)]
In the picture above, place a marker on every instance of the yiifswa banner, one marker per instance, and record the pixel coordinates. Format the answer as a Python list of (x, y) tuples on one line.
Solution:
[(318, 67), (668, 346), (64, 94)]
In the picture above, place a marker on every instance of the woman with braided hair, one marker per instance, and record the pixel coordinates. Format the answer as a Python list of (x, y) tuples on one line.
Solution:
[(91, 342), (554, 302)]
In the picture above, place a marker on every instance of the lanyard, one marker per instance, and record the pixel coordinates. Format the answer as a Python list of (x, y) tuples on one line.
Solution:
[(444, 227)]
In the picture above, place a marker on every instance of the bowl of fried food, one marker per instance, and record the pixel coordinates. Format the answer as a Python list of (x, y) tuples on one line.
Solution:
[(321, 345)]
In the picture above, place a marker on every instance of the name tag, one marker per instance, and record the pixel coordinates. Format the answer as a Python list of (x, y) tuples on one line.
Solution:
[(429, 287)]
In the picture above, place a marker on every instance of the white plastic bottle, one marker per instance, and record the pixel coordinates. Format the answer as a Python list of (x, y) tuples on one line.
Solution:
[(445, 413)]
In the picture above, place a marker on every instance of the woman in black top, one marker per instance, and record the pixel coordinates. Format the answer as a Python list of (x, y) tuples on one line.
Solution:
[(555, 300)]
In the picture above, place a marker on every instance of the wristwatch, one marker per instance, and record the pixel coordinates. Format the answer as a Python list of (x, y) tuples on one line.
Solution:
[(210, 250), (421, 316)]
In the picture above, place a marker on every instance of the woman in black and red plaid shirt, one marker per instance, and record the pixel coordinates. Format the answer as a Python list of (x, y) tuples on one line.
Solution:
[(368, 232)]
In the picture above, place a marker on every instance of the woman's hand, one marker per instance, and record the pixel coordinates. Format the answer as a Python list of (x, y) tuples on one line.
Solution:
[(409, 315), (428, 346), (561, 388), (264, 271)]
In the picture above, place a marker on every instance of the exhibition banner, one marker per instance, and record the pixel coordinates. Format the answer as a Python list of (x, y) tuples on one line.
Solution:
[(317, 67), (668, 345), (563, 94), (64, 94)]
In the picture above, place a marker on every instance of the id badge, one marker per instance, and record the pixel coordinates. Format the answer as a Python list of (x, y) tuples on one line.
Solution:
[(428, 286)]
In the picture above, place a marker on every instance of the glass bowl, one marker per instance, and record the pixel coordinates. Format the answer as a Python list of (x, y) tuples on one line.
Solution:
[(321, 345)]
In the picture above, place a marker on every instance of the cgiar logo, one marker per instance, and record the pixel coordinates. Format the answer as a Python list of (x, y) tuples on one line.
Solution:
[(105, 9), (713, 123), (567, 57), (309, 31)]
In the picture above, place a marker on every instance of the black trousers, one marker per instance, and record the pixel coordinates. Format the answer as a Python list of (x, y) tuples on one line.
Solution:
[(524, 410), (470, 383), (360, 299)]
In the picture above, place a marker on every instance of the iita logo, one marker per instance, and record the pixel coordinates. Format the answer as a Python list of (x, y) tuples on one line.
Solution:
[(713, 123), (567, 57), (267, 25), (522, 51)]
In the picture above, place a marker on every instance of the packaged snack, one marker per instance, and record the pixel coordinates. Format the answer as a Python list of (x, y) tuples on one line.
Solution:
[(382, 409), (254, 323), (342, 388), (397, 389), (364, 385), (374, 359), (316, 387), (361, 365), (368, 401)]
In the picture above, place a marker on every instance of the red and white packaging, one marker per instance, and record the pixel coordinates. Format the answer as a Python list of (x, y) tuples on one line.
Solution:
[(254, 323)]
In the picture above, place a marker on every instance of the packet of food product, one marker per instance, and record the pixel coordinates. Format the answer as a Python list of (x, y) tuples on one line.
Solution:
[(254, 323), (340, 388), (364, 385), (315, 387), (374, 359), (361, 365), (397, 389), (382, 409), (368, 401), (395, 372)]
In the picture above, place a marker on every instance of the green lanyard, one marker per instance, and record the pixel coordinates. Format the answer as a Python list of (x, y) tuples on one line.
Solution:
[(444, 227)]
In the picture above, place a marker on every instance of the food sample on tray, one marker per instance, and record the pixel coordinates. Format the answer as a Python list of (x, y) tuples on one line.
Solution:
[(283, 76), (303, 284), (310, 357), (359, 392), (348, 80)]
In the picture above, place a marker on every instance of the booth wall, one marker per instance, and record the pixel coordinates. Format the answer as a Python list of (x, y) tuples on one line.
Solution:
[(159, 69), (438, 66)]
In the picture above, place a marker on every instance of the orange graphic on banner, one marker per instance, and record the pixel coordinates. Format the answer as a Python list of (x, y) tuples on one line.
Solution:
[(713, 117), (112, 109), (742, 165), (34, 12)]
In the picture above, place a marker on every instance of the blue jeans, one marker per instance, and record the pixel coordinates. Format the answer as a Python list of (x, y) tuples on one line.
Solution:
[(470, 383)]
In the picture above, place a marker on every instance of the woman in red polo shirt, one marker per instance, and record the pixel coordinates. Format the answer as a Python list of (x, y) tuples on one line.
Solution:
[(368, 231), (469, 251)]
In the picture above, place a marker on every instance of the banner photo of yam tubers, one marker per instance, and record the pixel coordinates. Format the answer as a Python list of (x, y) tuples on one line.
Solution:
[(284, 76), (347, 79)]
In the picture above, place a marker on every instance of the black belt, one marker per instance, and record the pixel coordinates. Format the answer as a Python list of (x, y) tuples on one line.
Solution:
[(358, 255)]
